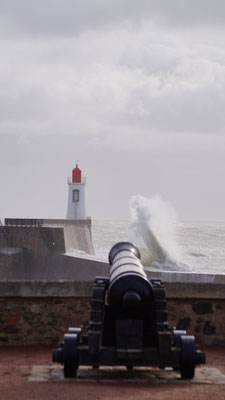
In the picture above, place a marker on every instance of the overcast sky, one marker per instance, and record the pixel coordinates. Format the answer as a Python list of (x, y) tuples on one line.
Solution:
[(133, 89)]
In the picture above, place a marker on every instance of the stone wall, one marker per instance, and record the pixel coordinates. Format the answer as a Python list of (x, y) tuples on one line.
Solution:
[(203, 318), (41, 312), (40, 320)]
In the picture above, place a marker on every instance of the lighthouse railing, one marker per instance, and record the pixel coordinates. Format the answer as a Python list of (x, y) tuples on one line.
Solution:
[(69, 180)]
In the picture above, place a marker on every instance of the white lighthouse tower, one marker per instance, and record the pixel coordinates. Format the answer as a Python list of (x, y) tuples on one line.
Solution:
[(76, 195)]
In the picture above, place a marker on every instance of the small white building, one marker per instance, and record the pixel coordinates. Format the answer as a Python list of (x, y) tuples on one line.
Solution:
[(76, 195)]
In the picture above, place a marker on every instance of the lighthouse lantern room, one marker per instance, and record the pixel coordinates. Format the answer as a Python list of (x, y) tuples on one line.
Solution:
[(76, 195)]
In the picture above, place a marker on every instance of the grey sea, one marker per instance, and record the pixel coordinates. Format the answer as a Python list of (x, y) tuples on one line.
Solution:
[(200, 246)]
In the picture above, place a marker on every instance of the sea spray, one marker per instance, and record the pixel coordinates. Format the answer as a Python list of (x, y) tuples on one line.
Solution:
[(201, 243), (153, 230)]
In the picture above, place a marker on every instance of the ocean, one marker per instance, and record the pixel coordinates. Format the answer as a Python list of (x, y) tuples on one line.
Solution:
[(164, 242)]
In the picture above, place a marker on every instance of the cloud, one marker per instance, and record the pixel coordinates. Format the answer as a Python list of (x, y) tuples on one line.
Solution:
[(68, 17), (125, 82)]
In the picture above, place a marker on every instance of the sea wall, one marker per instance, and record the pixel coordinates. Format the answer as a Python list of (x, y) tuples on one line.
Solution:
[(11, 259), (77, 233), (40, 312), (38, 240), (44, 236)]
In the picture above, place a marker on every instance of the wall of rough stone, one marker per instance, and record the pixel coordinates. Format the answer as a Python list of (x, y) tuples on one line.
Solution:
[(40, 320), (203, 318), (44, 320), (36, 312)]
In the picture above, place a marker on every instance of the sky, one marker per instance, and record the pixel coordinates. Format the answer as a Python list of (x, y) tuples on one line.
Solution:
[(133, 89)]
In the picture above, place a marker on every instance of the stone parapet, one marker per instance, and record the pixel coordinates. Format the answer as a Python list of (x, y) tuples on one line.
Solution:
[(40, 312), (83, 288)]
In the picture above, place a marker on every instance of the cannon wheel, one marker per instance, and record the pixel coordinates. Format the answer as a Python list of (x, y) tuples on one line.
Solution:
[(176, 337), (187, 362), (70, 355), (177, 341)]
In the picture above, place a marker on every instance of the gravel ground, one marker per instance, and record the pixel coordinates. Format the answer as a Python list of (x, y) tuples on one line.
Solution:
[(16, 365)]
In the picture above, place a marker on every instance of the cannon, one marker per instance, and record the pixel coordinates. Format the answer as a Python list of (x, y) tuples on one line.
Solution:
[(128, 324)]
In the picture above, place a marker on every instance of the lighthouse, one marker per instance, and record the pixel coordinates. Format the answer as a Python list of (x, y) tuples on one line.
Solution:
[(76, 195)]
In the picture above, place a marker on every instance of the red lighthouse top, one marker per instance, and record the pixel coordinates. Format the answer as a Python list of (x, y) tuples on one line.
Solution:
[(76, 175)]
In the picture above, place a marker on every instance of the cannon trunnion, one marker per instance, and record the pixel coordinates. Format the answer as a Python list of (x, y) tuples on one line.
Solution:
[(128, 324)]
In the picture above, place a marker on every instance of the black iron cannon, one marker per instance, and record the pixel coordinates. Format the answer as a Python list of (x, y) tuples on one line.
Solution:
[(128, 324)]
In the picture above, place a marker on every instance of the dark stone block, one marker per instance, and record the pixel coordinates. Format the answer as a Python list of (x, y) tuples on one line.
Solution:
[(202, 308), (209, 329), (183, 323), (198, 329)]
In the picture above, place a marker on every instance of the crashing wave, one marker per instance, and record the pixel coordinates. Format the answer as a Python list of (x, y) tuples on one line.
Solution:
[(153, 230)]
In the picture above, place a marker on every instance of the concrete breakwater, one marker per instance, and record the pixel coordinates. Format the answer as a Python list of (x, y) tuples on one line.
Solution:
[(48, 235)]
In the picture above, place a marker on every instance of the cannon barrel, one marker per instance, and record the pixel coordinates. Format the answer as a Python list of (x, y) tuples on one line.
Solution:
[(129, 286)]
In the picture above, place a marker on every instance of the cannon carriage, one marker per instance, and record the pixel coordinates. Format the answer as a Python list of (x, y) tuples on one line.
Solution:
[(128, 324)]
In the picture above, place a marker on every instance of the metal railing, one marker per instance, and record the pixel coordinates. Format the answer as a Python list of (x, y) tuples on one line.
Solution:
[(69, 180), (28, 222)]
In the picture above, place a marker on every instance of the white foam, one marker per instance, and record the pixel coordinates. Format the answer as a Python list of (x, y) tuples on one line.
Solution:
[(153, 230)]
